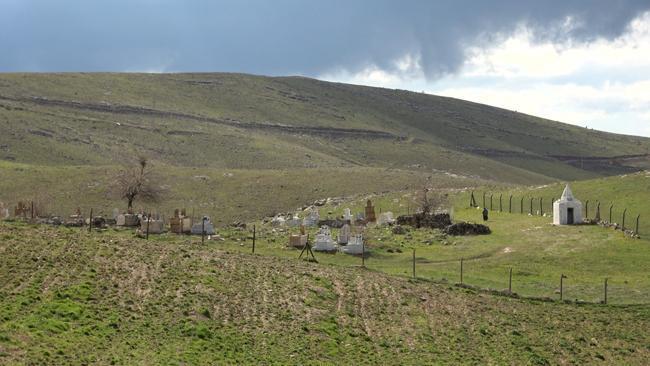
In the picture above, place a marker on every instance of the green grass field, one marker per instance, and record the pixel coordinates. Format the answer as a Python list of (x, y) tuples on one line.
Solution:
[(538, 252), (630, 191), (70, 297)]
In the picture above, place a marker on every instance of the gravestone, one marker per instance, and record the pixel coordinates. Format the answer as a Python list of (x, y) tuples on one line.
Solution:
[(156, 226), (278, 221), (312, 218), (324, 242), (204, 225), (347, 215), (294, 222), (297, 241), (4, 212), (21, 210), (120, 220), (355, 246), (344, 234), (127, 220), (370, 212), (179, 223), (386, 218)]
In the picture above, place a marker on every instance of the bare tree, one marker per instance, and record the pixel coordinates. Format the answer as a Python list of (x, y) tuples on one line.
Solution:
[(136, 182), (429, 199)]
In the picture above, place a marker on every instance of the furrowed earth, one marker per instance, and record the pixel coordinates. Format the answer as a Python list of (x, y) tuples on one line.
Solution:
[(106, 298)]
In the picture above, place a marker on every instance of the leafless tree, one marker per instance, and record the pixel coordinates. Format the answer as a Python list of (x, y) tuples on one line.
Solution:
[(429, 199), (136, 182)]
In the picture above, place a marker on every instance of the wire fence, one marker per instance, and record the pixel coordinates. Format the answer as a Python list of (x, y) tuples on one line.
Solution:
[(513, 280), (593, 211)]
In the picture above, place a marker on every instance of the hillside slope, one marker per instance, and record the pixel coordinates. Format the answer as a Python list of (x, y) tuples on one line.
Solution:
[(69, 297), (245, 121)]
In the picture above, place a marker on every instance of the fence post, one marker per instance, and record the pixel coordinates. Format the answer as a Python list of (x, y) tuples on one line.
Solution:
[(491, 201), (500, 206), (552, 203), (461, 271), (541, 206), (510, 207), (610, 213), (413, 262), (624, 212), (586, 209), (562, 277), (203, 230), (363, 253), (531, 205), (510, 282), (636, 230), (522, 205), (483, 199), (90, 223), (254, 235), (605, 300)]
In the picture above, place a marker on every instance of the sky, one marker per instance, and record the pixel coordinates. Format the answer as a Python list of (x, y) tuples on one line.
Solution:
[(576, 61)]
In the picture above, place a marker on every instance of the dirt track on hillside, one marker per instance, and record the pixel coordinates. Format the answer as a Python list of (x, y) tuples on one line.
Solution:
[(331, 132)]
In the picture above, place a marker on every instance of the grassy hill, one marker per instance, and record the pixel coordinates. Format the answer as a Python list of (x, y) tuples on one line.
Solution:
[(64, 134), (240, 147), (245, 121), (70, 297)]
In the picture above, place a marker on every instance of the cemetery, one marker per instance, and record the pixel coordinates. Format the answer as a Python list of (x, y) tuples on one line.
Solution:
[(347, 227), (538, 257), (355, 227)]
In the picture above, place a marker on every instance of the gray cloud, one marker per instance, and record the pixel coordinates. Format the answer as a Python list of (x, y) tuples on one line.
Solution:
[(280, 37)]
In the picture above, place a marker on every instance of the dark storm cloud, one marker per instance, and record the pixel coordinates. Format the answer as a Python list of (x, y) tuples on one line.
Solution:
[(281, 36)]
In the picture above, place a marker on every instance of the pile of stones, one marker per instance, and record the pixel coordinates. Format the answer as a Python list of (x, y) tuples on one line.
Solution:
[(467, 228), (420, 220)]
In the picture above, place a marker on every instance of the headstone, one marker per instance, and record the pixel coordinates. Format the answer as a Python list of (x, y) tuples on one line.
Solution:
[(297, 241), (204, 225), (347, 215), (155, 226), (312, 218), (324, 242), (294, 222), (344, 234), (21, 210), (179, 223), (278, 221), (116, 213), (370, 212), (120, 220), (4, 212), (355, 246), (131, 220), (386, 218)]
